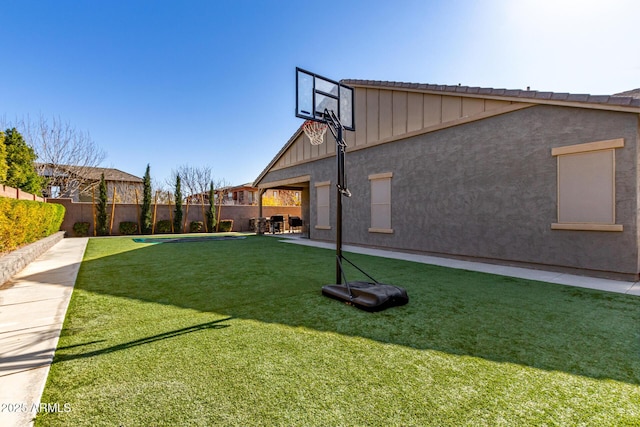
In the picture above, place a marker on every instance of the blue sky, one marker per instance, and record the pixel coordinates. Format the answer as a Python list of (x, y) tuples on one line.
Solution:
[(212, 82)]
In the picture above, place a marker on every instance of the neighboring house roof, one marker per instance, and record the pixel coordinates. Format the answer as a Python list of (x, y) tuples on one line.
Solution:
[(624, 101), (94, 173), (110, 174), (229, 188), (247, 186)]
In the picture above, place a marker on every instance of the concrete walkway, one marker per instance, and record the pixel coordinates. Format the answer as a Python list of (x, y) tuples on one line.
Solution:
[(32, 310), (631, 288)]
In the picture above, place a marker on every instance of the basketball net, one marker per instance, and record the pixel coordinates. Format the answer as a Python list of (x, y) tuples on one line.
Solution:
[(315, 131)]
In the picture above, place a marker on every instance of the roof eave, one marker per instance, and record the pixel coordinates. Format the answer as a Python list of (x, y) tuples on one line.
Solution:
[(277, 156)]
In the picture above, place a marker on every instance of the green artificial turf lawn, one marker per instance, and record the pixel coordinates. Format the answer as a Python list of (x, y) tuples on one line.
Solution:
[(238, 333)]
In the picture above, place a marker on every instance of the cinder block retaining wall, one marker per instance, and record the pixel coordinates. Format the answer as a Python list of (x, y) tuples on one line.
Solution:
[(240, 214), (15, 261)]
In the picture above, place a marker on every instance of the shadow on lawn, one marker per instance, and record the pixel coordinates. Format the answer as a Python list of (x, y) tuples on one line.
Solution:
[(62, 357), (501, 319)]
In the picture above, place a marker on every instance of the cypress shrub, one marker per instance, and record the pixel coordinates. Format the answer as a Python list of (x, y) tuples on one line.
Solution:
[(145, 212), (101, 220), (211, 211), (177, 217)]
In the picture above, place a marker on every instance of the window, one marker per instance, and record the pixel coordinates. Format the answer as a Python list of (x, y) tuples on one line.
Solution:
[(322, 204), (54, 191), (586, 186), (381, 203)]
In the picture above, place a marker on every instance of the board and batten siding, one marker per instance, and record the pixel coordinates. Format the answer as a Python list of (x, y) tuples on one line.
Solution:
[(384, 115)]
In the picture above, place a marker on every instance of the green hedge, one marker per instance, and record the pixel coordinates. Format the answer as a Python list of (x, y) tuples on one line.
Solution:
[(163, 226), (25, 221), (81, 229), (225, 225), (196, 226), (128, 228)]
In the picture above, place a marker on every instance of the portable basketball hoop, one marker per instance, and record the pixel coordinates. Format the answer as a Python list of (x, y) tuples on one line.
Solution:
[(328, 104), (315, 131)]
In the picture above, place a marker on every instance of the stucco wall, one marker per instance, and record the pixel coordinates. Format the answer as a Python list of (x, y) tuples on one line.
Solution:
[(16, 193), (488, 190), (240, 214)]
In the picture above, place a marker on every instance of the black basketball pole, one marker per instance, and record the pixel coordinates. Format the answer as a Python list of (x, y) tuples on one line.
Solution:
[(339, 188)]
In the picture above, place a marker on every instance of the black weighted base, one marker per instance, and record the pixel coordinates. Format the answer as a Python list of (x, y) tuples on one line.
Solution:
[(367, 295)]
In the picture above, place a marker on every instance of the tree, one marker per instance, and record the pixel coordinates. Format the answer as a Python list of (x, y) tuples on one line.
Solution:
[(145, 212), (281, 198), (177, 217), (3, 159), (195, 179), (101, 220), (211, 211), (21, 172), (162, 190), (65, 154)]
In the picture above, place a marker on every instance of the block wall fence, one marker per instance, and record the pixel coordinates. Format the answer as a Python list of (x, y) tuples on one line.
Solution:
[(240, 214), (16, 193)]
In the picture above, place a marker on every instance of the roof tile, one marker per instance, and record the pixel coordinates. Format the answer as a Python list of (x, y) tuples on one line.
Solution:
[(629, 98), (578, 97), (621, 100), (600, 99), (544, 95)]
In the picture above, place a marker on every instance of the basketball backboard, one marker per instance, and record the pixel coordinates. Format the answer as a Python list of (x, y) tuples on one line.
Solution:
[(315, 93)]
